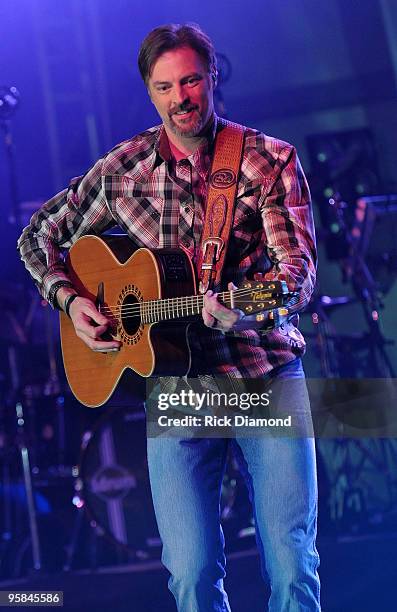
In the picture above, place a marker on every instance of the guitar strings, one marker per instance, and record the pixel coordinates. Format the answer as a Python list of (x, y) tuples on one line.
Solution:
[(193, 299), (153, 306), (137, 311), (165, 305)]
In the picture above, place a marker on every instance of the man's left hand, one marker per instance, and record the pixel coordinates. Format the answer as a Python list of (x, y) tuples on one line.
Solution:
[(217, 316)]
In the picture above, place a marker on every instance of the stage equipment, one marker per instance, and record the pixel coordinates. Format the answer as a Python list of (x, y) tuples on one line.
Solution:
[(361, 490), (360, 495), (112, 488), (374, 239), (371, 268), (9, 102), (344, 162), (35, 442), (368, 262), (341, 163), (113, 482)]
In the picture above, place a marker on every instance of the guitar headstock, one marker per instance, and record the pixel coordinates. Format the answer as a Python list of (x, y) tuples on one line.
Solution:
[(258, 296)]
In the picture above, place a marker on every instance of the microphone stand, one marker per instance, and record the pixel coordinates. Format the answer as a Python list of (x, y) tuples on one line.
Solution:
[(9, 101)]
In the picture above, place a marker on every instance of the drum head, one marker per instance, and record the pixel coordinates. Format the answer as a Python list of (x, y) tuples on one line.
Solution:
[(116, 491), (115, 480)]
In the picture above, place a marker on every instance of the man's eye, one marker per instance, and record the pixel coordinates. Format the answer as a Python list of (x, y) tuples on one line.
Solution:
[(162, 88), (193, 81)]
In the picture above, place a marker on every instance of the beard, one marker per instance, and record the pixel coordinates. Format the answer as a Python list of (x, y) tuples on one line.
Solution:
[(193, 127)]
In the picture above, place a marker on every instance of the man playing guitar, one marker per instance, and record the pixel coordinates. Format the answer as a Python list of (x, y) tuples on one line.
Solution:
[(154, 187)]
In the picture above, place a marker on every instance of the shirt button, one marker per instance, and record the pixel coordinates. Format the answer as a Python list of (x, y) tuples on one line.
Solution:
[(186, 243), (187, 209)]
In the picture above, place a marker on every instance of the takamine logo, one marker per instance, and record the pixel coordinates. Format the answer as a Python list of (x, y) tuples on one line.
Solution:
[(223, 178), (259, 296), (112, 482)]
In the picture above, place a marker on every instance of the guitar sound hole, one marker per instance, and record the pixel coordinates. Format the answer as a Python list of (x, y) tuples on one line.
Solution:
[(130, 317)]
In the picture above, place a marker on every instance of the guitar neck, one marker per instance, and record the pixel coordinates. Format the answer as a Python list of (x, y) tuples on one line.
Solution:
[(155, 311)]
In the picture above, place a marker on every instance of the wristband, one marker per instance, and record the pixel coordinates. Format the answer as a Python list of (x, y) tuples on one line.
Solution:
[(68, 303), (52, 296)]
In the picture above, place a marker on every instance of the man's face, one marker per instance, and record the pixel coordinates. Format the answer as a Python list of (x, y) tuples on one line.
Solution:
[(182, 91)]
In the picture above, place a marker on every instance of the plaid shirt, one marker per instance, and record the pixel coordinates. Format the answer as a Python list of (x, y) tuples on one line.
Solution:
[(159, 203)]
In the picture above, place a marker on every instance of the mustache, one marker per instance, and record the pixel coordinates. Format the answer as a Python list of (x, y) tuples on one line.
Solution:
[(185, 106)]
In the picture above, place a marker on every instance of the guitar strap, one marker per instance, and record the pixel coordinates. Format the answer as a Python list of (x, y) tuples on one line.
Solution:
[(220, 203)]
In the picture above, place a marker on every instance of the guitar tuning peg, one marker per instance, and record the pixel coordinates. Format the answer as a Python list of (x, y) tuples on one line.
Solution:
[(274, 276), (269, 276)]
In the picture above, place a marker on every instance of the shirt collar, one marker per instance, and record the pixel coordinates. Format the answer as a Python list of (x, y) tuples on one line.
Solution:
[(162, 147)]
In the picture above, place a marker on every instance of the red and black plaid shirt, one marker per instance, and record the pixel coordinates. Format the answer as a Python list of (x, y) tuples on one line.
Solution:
[(159, 202)]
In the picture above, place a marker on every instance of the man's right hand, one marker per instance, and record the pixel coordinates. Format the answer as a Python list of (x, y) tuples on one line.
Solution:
[(89, 323)]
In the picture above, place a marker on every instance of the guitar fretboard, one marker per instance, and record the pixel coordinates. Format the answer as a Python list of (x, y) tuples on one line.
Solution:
[(166, 309)]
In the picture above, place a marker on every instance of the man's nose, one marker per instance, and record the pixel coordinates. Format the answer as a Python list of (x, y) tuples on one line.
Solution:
[(180, 95)]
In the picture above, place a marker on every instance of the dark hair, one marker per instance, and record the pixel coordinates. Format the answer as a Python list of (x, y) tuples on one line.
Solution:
[(173, 36)]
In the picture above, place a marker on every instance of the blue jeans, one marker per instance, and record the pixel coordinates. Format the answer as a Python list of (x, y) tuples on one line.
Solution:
[(186, 476)]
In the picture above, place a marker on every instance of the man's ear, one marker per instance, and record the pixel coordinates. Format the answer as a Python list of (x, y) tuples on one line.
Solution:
[(214, 77)]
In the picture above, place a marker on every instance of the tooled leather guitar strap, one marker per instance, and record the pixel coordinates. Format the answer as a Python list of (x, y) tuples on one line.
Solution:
[(221, 196)]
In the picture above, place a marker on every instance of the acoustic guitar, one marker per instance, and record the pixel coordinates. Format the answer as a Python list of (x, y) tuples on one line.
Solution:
[(150, 297)]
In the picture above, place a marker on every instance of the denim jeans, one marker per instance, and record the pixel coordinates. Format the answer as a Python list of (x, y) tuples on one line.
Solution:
[(186, 476)]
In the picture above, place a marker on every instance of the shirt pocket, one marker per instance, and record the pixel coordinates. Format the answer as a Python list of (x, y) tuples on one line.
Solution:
[(137, 208)]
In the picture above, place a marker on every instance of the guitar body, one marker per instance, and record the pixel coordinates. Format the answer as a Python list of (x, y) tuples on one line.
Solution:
[(106, 268)]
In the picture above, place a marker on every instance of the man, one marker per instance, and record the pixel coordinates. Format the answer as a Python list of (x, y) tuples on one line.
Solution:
[(154, 187)]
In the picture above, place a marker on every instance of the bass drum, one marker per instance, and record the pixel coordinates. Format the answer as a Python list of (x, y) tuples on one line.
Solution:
[(114, 481), (114, 485)]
